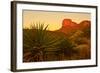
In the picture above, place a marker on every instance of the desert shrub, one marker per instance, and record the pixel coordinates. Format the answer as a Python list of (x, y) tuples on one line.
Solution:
[(83, 51)]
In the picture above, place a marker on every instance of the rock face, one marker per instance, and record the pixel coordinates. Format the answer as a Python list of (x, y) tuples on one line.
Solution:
[(68, 22), (68, 25)]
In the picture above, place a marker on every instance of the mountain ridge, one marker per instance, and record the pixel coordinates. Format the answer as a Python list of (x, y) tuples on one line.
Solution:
[(68, 25)]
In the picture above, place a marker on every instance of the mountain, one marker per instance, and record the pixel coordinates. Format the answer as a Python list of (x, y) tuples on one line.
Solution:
[(69, 26), (85, 24)]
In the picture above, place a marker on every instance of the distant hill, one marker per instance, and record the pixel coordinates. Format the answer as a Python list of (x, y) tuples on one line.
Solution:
[(69, 26)]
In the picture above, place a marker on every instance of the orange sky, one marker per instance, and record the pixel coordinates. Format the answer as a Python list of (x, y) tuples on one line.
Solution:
[(54, 19)]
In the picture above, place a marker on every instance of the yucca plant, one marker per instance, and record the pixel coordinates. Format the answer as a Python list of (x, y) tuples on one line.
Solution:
[(37, 39)]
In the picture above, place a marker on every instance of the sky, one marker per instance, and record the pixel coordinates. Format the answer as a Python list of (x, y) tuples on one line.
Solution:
[(53, 19)]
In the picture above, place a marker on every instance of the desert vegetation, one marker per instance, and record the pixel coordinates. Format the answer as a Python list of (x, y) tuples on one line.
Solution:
[(67, 43)]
